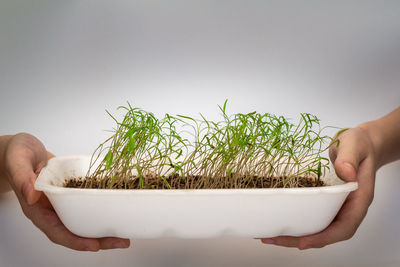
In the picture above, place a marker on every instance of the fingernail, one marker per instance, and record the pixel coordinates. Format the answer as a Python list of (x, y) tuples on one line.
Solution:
[(348, 164), (268, 241), (353, 171), (119, 244)]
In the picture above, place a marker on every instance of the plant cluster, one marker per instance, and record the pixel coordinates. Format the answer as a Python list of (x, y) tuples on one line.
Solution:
[(239, 151)]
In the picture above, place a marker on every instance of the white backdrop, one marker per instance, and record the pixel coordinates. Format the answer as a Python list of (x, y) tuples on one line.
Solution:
[(62, 63)]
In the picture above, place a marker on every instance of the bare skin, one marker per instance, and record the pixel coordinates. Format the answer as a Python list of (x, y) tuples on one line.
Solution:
[(362, 151), (22, 156)]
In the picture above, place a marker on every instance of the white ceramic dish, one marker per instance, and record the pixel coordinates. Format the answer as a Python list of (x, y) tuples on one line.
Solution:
[(188, 213)]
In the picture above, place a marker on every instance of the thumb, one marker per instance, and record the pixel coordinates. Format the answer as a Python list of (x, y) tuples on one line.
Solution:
[(347, 156), (30, 194), (25, 156), (23, 177)]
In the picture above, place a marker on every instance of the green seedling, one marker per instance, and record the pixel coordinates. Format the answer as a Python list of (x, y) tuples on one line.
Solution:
[(240, 151)]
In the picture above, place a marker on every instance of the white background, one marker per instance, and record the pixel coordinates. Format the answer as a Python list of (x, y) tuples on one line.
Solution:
[(62, 63)]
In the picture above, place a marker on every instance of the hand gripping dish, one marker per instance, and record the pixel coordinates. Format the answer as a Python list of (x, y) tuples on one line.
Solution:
[(201, 213)]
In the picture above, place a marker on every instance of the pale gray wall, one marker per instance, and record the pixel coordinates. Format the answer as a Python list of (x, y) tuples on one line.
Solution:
[(63, 62)]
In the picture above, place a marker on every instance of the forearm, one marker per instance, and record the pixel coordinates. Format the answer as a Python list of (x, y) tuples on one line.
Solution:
[(4, 185), (385, 136)]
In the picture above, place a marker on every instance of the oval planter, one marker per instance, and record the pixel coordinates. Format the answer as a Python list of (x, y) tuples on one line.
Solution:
[(201, 213)]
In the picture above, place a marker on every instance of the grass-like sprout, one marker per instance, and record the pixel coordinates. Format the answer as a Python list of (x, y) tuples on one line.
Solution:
[(250, 150)]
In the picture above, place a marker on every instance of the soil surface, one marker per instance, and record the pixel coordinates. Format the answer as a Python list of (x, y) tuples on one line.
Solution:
[(194, 182)]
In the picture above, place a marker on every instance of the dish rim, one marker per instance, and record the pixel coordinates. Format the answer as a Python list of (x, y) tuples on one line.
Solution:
[(42, 185)]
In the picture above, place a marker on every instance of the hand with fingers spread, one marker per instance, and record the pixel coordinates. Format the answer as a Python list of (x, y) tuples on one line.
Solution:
[(22, 156), (362, 150)]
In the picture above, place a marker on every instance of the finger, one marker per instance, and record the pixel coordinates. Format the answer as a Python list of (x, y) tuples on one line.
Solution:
[(26, 155), (59, 234), (44, 217), (113, 242), (285, 241), (48, 222), (347, 220), (43, 163), (350, 215), (347, 156), (23, 178), (32, 195), (342, 228)]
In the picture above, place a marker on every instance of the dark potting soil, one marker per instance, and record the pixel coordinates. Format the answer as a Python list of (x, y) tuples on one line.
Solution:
[(176, 182)]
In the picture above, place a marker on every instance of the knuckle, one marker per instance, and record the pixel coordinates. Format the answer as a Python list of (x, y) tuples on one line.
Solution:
[(26, 213), (311, 245), (332, 150), (303, 247), (52, 238), (77, 247), (23, 134), (60, 242), (370, 198), (332, 153), (48, 217), (349, 234)]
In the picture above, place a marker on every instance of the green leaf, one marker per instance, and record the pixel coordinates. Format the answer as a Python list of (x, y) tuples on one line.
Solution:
[(109, 159), (319, 170), (140, 177), (226, 101)]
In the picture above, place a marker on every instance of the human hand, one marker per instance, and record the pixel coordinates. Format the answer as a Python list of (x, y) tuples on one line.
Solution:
[(354, 160), (24, 156)]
